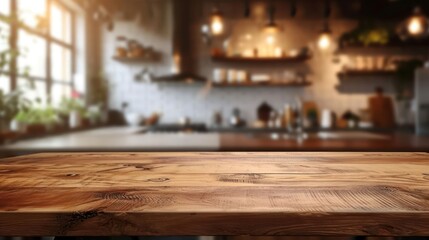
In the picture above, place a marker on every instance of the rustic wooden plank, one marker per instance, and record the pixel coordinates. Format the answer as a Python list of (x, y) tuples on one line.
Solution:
[(384, 194)]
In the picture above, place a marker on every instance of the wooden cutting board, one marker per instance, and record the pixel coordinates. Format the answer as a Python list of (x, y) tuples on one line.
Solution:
[(382, 113)]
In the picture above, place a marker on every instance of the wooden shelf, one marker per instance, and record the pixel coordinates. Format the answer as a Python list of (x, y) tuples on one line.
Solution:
[(263, 84), (260, 60), (152, 58), (400, 49), (363, 73)]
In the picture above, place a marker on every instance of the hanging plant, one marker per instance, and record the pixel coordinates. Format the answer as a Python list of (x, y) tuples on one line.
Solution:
[(367, 34)]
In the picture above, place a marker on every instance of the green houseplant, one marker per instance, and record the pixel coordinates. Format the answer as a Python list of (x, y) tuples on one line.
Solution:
[(10, 105), (38, 120), (13, 102), (367, 33), (72, 111)]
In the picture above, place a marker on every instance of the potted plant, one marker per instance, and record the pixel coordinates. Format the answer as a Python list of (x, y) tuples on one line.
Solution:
[(48, 117), (72, 110), (93, 115), (99, 98), (19, 122), (10, 105), (33, 122), (367, 33)]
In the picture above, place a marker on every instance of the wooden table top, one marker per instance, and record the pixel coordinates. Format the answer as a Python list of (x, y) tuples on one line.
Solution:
[(223, 193)]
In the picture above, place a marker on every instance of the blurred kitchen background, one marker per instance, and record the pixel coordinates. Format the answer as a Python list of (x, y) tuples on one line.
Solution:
[(242, 75)]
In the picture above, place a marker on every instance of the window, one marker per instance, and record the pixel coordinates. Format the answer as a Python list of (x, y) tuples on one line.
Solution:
[(4, 84), (35, 91), (44, 66), (4, 47), (5, 7), (61, 52), (32, 12), (61, 27), (32, 58)]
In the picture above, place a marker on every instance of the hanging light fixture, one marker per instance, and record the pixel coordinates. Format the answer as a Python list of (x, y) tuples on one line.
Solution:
[(246, 9), (271, 26), (418, 24), (324, 41), (217, 24), (293, 9)]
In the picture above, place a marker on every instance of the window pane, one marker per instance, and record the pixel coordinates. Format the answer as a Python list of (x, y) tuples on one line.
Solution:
[(32, 12), (35, 91), (60, 23), (61, 63), (58, 92), (5, 83), (4, 46), (32, 54), (5, 7)]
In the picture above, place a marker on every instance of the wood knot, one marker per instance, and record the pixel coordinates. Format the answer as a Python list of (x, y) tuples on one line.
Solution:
[(144, 168), (138, 166), (158, 180), (72, 175)]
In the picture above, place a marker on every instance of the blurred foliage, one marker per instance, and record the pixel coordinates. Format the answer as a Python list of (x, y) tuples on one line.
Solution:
[(68, 105), (10, 54), (12, 103), (367, 33), (45, 116), (100, 94)]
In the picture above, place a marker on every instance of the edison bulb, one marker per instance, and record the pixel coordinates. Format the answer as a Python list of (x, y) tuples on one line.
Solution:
[(270, 39), (324, 41), (216, 25), (416, 26)]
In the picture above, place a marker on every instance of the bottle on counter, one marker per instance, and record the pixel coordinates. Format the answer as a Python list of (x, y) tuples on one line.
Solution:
[(217, 119), (288, 116)]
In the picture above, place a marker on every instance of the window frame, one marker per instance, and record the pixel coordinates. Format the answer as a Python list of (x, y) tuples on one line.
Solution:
[(16, 26)]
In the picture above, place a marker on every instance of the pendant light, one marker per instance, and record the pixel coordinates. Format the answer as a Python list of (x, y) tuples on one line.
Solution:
[(293, 9), (325, 37), (217, 23), (418, 24), (246, 9), (271, 26), (324, 41)]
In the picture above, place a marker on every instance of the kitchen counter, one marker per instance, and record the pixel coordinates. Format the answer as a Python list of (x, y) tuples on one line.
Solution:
[(217, 193), (132, 139), (327, 141), (117, 139)]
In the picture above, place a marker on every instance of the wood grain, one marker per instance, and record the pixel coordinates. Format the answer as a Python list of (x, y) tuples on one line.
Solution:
[(264, 193)]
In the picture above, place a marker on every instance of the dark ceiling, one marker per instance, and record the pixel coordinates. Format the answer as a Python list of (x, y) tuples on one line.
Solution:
[(355, 9)]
